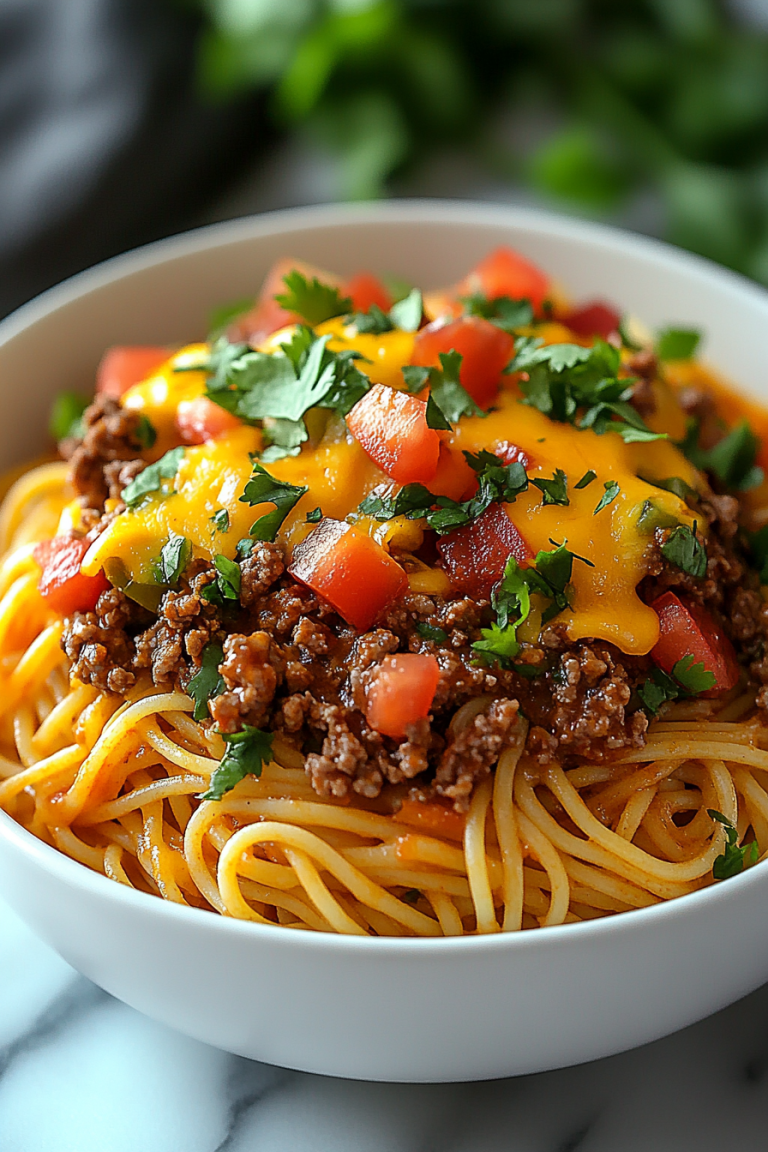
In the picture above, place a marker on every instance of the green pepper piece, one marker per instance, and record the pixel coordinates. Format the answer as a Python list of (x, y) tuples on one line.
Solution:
[(652, 517)]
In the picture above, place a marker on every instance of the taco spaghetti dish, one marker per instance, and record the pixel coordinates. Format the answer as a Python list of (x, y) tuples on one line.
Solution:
[(395, 615)]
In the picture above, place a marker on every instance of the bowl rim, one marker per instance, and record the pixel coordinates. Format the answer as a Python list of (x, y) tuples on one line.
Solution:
[(296, 220)]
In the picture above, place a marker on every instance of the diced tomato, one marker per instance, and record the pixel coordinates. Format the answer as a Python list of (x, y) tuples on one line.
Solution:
[(122, 367), (454, 477), (593, 319), (502, 272), (62, 583), (201, 419), (392, 428), (474, 557), (365, 289), (267, 315), (509, 453), (687, 629), (485, 350), (349, 570), (401, 692), (432, 816)]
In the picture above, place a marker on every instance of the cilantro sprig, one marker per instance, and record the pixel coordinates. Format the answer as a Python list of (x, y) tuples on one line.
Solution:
[(405, 314), (549, 577), (246, 754), (735, 858), (496, 481), (224, 590), (150, 479), (554, 490), (173, 559), (66, 414), (688, 679), (263, 488), (580, 386), (732, 461), (677, 343), (207, 682), (502, 311), (446, 391), (683, 549), (311, 299)]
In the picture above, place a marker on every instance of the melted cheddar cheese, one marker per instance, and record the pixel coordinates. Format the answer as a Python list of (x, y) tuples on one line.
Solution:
[(338, 475)]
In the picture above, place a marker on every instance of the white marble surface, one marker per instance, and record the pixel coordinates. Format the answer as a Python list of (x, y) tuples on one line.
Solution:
[(80, 1072)]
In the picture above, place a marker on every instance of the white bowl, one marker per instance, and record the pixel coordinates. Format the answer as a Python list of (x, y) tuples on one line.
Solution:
[(382, 1009)]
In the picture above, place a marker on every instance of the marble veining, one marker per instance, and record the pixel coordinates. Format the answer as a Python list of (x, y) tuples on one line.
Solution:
[(80, 1072)]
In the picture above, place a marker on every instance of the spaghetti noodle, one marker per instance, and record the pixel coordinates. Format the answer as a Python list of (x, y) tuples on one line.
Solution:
[(115, 779)]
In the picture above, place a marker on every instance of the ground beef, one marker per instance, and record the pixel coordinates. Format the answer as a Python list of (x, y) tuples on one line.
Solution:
[(472, 753), (110, 437)]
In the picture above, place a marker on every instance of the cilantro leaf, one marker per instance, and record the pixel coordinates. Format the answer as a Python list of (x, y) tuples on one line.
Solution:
[(315, 516), (283, 438), (449, 393), (758, 544), (674, 484), (567, 379), (435, 416), (262, 488), (174, 557), (65, 419), (207, 682), (586, 479), (144, 433), (150, 479), (555, 491), (220, 520), (431, 632), (247, 752), (612, 490), (685, 551), (502, 311), (731, 460), (374, 321), (416, 377), (311, 299), (652, 517), (688, 679), (734, 859), (226, 587), (677, 343), (406, 313)]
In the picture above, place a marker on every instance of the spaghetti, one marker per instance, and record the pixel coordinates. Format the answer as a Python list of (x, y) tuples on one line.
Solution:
[(115, 779)]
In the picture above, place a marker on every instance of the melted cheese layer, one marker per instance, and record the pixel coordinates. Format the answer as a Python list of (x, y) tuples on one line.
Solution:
[(338, 475)]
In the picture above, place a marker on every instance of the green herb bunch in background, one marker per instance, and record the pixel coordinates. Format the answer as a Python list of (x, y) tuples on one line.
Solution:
[(654, 112)]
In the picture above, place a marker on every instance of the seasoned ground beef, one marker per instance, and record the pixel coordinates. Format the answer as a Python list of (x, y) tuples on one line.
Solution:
[(293, 666), (99, 461)]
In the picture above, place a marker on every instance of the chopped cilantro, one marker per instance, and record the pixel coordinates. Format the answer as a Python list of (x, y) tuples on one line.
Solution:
[(688, 679), (626, 338), (677, 343), (150, 479), (406, 313), (685, 551), (65, 419), (416, 377), (674, 484), (496, 481), (586, 479), (311, 299), (731, 461), (549, 577), (144, 433), (411, 896), (612, 490), (174, 557), (374, 321), (262, 488), (435, 416), (579, 386), (554, 491), (207, 683), (315, 516), (220, 520), (652, 517), (226, 587), (449, 394), (247, 752), (430, 632), (501, 311), (735, 858), (758, 544)]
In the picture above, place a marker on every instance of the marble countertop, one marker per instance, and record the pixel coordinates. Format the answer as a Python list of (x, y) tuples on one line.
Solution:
[(80, 1072)]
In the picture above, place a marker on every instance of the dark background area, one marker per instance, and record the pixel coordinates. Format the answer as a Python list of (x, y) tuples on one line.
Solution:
[(125, 120)]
